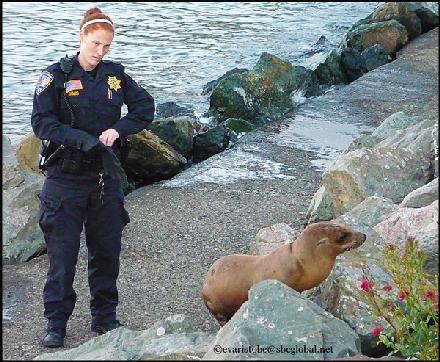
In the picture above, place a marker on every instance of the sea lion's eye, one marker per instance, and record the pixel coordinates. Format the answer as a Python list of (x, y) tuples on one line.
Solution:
[(343, 236)]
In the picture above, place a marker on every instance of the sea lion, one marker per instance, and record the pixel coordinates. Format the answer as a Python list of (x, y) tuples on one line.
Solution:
[(302, 264)]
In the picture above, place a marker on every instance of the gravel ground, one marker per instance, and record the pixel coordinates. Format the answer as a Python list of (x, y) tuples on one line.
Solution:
[(175, 234)]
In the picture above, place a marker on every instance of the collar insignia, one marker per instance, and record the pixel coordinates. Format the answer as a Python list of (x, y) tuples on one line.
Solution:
[(114, 83)]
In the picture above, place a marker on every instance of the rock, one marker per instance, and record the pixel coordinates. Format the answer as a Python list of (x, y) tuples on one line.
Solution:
[(367, 214), (353, 63), (375, 56), (172, 109), (328, 68), (209, 143), (388, 128), (177, 132), (238, 125), (27, 153), (164, 339), (151, 159), (339, 295), (8, 153), (402, 13), (13, 176), (427, 13), (21, 235), (276, 315), (368, 172), (208, 87), (272, 237), (392, 168), (419, 223), (391, 35), (422, 196), (262, 93)]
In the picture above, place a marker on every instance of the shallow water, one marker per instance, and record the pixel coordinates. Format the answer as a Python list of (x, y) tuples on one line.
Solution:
[(172, 49)]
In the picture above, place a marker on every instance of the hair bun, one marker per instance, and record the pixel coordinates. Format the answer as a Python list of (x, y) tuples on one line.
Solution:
[(92, 11)]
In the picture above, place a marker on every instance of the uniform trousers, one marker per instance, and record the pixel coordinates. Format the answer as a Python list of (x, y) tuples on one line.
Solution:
[(68, 204)]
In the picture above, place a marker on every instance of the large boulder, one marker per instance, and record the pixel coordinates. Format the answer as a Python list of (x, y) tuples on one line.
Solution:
[(272, 237), (27, 153), (21, 236), (427, 13), (172, 109), (389, 126), (392, 168), (422, 196), (177, 132), (402, 13), (353, 63), (172, 338), (391, 35), (284, 325), (211, 142), (419, 223), (151, 159), (328, 68), (375, 56), (261, 93), (208, 87)]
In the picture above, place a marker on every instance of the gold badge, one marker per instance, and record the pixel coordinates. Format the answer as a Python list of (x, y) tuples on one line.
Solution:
[(114, 83)]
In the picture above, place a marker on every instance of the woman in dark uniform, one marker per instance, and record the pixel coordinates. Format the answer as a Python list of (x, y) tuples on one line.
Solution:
[(77, 107)]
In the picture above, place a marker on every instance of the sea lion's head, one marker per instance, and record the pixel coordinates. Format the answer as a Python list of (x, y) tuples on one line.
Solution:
[(333, 238)]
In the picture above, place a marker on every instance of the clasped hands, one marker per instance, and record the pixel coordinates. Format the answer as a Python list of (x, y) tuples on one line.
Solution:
[(109, 136)]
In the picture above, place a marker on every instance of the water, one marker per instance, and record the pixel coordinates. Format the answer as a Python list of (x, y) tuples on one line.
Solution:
[(171, 49)]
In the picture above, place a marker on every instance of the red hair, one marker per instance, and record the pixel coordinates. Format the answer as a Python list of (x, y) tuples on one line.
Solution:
[(93, 14)]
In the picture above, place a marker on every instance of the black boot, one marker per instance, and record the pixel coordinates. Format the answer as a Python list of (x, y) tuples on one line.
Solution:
[(104, 327), (54, 337)]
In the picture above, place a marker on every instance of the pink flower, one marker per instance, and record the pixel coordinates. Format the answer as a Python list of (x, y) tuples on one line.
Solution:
[(365, 285), (376, 331), (402, 295), (430, 294), (387, 287)]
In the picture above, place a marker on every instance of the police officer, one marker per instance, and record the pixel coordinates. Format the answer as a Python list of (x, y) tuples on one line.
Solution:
[(77, 108)]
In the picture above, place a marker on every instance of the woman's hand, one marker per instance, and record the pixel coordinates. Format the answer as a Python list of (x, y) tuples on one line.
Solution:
[(109, 136)]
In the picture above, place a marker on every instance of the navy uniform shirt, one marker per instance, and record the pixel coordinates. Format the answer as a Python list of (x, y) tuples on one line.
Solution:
[(96, 103)]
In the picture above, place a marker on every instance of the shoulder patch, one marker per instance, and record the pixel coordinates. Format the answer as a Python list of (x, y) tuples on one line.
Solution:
[(44, 81)]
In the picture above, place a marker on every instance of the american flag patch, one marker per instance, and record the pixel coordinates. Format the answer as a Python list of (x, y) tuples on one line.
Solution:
[(73, 85)]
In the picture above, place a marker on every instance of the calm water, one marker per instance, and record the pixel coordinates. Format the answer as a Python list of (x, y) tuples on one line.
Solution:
[(171, 49)]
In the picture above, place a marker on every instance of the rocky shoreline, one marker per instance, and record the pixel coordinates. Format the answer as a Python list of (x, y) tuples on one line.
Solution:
[(177, 232)]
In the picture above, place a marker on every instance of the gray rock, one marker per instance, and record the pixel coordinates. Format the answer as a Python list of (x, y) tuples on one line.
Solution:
[(21, 235), (165, 338), (272, 237), (390, 125), (375, 56), (422, 196), (419, 223), (276, 316), (392, 168), (427, 13)]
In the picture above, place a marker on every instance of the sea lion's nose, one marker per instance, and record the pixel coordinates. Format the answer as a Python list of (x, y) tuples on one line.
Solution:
[(364, 237)]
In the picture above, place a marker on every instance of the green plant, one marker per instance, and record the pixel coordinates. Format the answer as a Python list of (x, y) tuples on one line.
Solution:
[(410, 307)]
